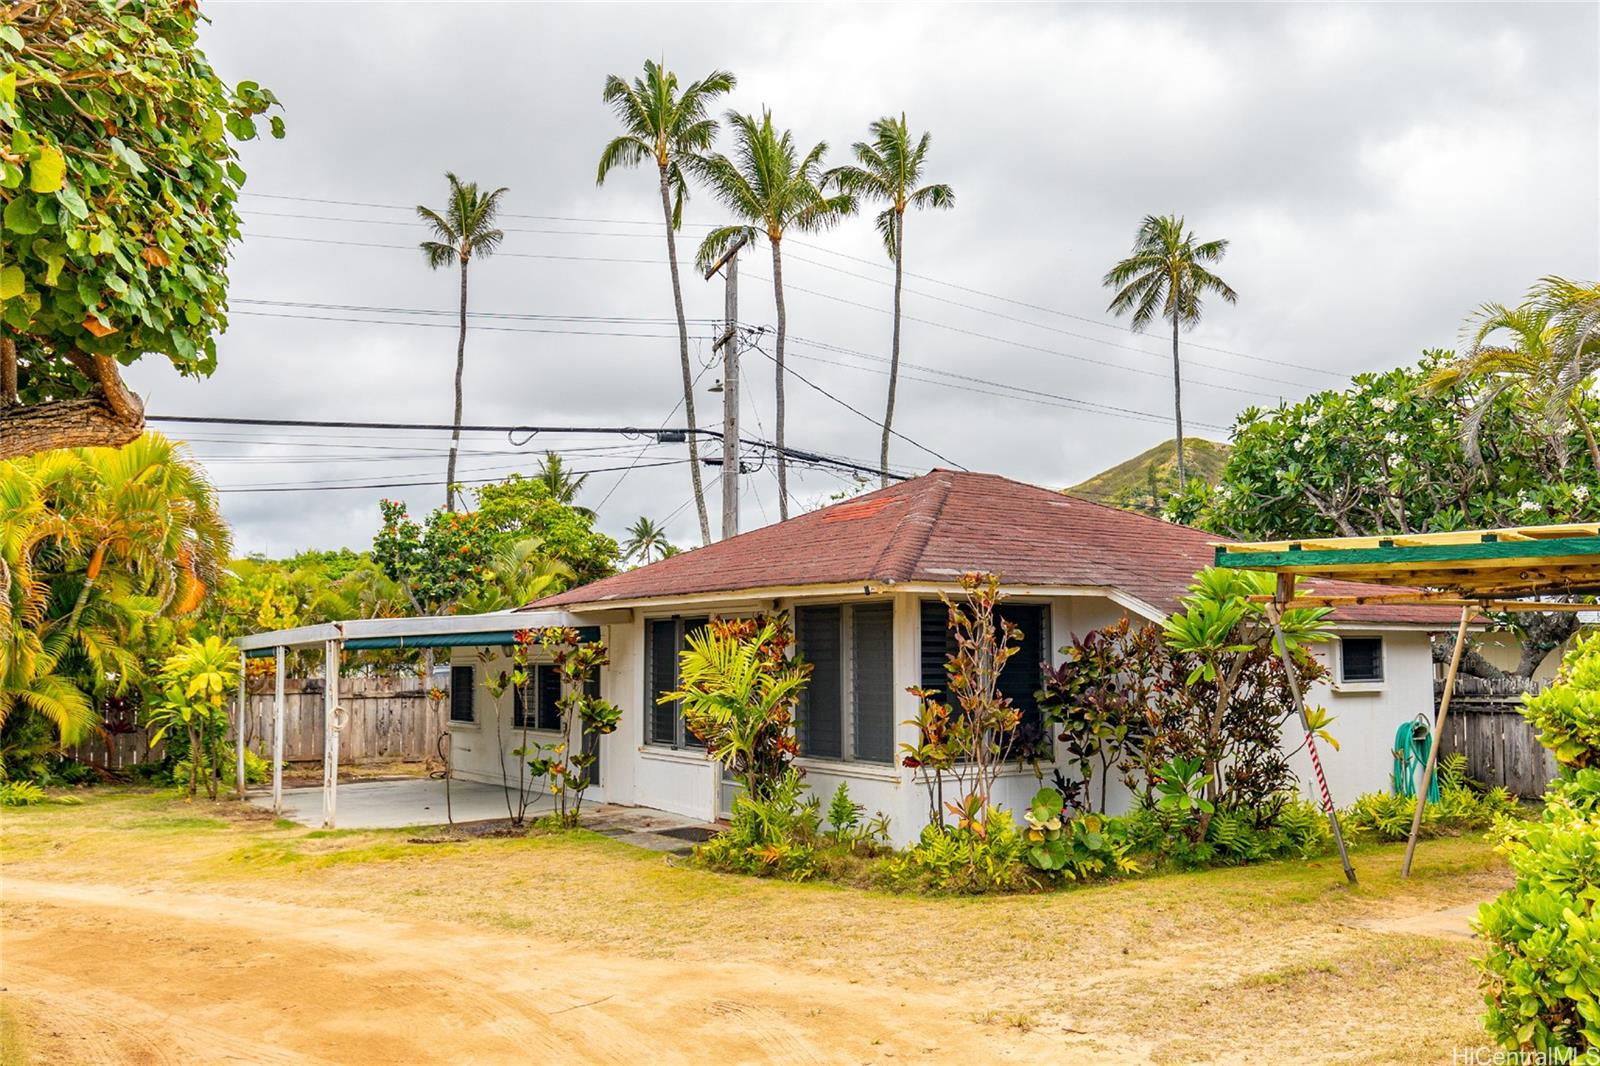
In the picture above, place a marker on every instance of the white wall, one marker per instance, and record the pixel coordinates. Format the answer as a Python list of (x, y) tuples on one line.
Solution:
[(684, 782)]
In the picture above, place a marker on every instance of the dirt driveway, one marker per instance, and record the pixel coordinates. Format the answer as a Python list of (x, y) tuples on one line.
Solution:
[(135, 929), (152, 976)]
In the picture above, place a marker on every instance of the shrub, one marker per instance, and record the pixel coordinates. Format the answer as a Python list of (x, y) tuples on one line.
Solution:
[(983, 852), (1460, 807), (256, 769), (20, 794), (1567, 714), (849, 825), (1234, 836), (1540, 975), (775, 835), (1079, 848)]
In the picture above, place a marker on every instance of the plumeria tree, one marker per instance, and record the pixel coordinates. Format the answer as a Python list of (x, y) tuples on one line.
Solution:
[(120, 177)]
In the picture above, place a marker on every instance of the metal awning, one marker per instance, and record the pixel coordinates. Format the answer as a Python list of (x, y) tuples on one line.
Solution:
[(497, 629), (1479, 566)]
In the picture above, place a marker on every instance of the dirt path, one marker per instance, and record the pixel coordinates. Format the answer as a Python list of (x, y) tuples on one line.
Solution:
[(113, 975)]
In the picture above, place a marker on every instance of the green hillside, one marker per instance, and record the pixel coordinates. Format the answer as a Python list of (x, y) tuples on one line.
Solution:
[(1140, 483)]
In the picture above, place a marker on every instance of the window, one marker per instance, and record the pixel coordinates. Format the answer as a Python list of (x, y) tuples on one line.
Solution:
[(847, 709), (1020, 680), (544, 689), (665, 638), (461, 693), (1361, 659)]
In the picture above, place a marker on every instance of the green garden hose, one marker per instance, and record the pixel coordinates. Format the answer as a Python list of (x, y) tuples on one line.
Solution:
[(1411, 743)]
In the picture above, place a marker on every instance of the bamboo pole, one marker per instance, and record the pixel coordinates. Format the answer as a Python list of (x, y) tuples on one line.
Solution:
[(330, 734), (1274, 615), (1438, 734)]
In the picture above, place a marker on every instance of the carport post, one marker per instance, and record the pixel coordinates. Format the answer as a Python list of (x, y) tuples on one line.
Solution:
[(330, 734), (1433, 746), (238, 739), (277, 732)]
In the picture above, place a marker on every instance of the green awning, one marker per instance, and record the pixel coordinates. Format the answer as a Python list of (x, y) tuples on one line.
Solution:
[(492, 639)]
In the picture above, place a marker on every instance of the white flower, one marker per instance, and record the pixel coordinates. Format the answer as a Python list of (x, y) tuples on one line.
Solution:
[(1391, 438), (1395, 459), (1581, 493), (1528, 506)]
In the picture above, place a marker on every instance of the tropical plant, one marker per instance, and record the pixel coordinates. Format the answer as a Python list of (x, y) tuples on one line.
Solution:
[(194, 682), (1223, 630), (1386, 455), (120, 178), (514, 576), (1542, 355), (1459, 807), (101, 553), (518, 508), (739, 688), (983, 852), (969, 735), (1096, 700), (1078, 848), (465, 230), (888, 170), (1544, 933), (775, 835), (672, 129), (646, 539), (1168, 276), (21, 794), (773, 189), (563, 484)]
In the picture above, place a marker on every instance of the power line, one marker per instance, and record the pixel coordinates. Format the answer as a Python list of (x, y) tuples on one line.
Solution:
[(856, 410), (498, 254), (833, 252), (335, 486)]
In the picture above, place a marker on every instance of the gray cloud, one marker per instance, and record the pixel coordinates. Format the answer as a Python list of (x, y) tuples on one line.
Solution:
[(1380, 170)]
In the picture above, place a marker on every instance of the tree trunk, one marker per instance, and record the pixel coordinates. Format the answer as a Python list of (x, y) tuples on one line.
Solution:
[(1542, 632), (461, 363), (1177, 406), (1472, 664), (683, 360), (110, 418), (894, 349), (783, 332), (1588, 436)]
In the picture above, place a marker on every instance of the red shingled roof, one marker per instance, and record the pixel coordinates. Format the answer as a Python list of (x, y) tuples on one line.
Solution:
[(943, 524)]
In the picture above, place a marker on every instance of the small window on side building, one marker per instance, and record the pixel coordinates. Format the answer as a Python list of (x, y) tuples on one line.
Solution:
[(461, 694), (1361, 660)]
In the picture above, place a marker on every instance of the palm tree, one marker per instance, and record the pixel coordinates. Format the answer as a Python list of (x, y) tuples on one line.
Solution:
[(774, 189), (645, 539), (671, 128), (463, 232), (564, 486), (1544, 351), (890, 167), (1166, 277)]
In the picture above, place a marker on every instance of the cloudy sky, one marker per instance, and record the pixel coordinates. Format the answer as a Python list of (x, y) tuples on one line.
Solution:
[(1379, 170)]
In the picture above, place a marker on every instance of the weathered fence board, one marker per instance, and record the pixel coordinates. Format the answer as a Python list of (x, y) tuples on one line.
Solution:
[(390, 719), (1501, 747)]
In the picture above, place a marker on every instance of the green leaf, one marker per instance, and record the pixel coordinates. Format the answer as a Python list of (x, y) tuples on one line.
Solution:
[(48, 171), (11, 281), (72, 200), (10, 35), (8, 84), (20, 217)]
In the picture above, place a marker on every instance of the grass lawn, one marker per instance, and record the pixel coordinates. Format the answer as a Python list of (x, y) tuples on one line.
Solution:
[(139, 928)]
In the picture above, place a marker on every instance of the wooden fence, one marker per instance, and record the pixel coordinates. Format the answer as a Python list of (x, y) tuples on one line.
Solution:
[(1486, 726), (390, 719)]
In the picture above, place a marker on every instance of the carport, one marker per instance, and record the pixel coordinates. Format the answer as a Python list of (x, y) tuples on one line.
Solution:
[(497, 629)]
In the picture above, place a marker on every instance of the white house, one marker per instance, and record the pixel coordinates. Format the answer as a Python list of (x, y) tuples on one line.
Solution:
[(862, 581)]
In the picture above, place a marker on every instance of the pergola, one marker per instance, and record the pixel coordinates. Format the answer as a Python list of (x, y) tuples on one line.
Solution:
[(1477, 570), (497, 629)]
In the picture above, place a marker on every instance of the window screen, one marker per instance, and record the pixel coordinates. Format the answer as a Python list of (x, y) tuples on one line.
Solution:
[(821, 713), (1361, 659), (665, 638), (872, 689), (461, 693), (1022, 676), (542, 690)]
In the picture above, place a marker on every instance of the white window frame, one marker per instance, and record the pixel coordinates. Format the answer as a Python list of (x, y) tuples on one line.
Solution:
[(1342, 684)]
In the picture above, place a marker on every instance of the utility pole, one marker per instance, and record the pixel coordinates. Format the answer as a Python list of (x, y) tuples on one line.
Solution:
[(729, 343)]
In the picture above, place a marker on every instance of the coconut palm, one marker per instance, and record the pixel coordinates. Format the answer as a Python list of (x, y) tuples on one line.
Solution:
[(672, 129), (1544, 351), (464, 231), (646, 539), (774, 189), (888, 169), (564, 485), (1167, 277)]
